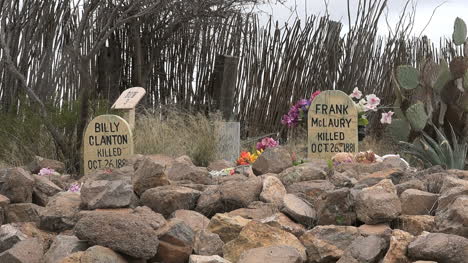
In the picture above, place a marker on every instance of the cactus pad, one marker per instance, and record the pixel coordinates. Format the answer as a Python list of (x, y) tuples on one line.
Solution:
[(399, 130), (443, 77), (459, 31), (408, 77), (417, 116)]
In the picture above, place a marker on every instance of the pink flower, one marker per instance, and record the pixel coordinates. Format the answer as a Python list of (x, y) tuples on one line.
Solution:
[(266, 142), (371, 107), (46, 171), (356, 93), (315, 94), (387, 117), (75, 188), (373, 100)]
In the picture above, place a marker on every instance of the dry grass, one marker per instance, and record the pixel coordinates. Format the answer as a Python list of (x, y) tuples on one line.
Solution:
[(177, 133)]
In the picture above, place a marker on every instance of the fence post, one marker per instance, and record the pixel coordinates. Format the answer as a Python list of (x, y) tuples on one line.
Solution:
[(224, 86)]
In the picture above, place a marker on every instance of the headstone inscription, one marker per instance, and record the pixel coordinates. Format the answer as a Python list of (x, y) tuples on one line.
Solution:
[(128, 101), (332, 125), (108, 142)]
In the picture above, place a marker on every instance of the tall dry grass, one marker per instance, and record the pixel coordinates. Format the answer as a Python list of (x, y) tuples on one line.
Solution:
[(175, 132)]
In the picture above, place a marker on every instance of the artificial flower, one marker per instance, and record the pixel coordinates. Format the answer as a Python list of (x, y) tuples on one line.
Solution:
[(315, 94), (75, 188), (357, 94), (46, 171), (386, 117), (372, 100), (266, 142)]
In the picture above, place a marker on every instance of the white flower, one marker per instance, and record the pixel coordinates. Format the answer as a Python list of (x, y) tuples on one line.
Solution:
[(373, 100), (370, 107), (387, 117), (356, 93)]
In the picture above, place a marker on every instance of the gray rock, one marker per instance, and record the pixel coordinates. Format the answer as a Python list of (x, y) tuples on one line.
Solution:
[(210, 202), (207, 259), (193, 219), (336, 207), (102, 255), (168, 199), (273, 254), (26, 251), (96, 194), (126, 233), (378, 204), (62, 246), (273, 190), (439, 247), (272, 160), (327, 243), (310, 190), (417, 202), (365, 249), (150, 174), (43, 190), (18, 186), (181, 170), (60, 212), (9, 236), (176, 242), (26, 212), (411, 184), (299, 210), (207, 243), (239, 194), (454, 219), (314, 170)]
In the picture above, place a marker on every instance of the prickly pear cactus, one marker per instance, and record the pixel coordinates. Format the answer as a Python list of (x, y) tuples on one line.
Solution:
[(399, 130), (417, 116), (408, 77), (459, 31), (444, 76)]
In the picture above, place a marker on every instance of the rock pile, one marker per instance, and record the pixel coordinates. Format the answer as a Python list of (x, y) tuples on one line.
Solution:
[(160, 209)]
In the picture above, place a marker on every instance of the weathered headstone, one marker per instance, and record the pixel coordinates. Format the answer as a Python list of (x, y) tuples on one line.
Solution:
[(108, 142), (128, 101), (332, 125), (228, 140)]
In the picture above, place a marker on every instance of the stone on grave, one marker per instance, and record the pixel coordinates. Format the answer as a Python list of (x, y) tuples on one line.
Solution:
[(332, 125), (229, 140), (108, 143)]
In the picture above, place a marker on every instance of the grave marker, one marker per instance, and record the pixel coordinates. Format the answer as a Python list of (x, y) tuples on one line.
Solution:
[(332, 125), (108, 142), (228, 140), (128, 101)]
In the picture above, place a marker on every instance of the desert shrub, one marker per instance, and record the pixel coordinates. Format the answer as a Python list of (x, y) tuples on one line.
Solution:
[(175, 132)]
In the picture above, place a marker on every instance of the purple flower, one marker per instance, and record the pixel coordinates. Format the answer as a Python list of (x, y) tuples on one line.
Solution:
[(75, 188), (46, 171), (266, 142)]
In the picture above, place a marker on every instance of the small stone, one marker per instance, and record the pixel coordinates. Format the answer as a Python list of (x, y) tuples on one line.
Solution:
[(454, 219), (98, 194), (193, 219), (9, 236), (168, 199), (25, 212), (281, 221), (273, 190), (365, 249), (299, 210), (150, 174), (336, 207), (273, 254), (207, 259), (439, 247), (43, 190), (183, 170), (411, 184), (272, 160), (25, 251), (60, 212), (207, 243), (397, 252), (309, 171), (377, 230), (327, 243), (256, 234), (18, 186), (176, 242), (416, 224), (39, 162), (226, 226), (417, 202), (63, 246), (102, 255)]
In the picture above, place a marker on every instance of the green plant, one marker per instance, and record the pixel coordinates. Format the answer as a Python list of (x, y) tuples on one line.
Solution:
[(439, 151)]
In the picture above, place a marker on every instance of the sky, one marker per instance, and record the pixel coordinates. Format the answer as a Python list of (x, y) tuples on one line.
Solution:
[(441, 24)]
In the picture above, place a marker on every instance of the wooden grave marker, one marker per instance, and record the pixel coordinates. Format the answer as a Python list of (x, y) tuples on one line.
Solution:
[(332, 123), (108, 143), (128, 101)]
